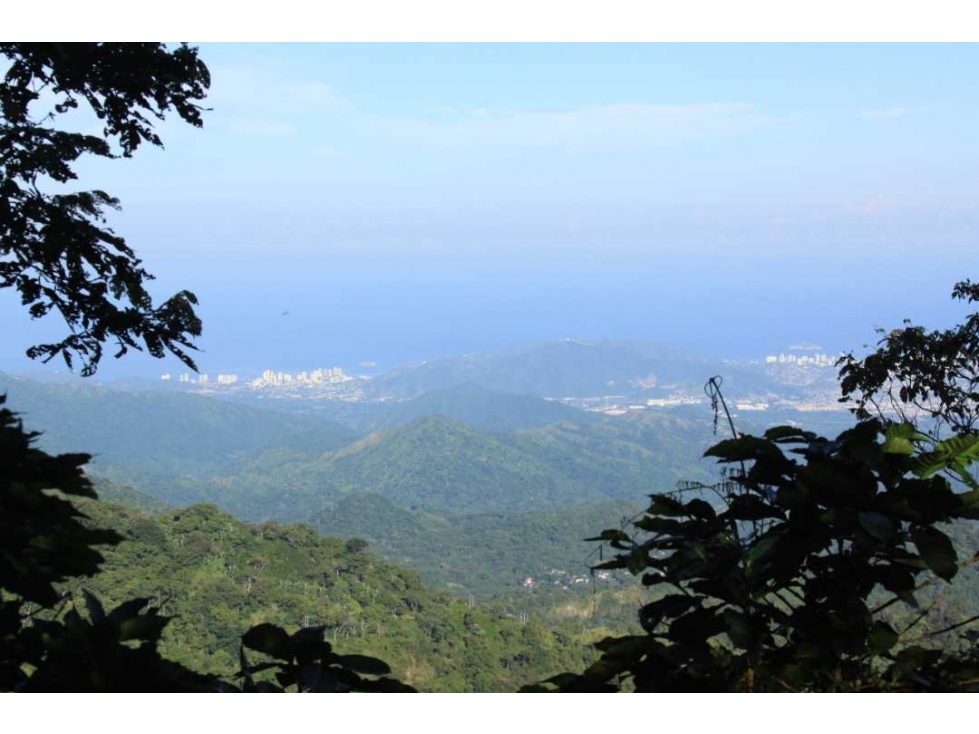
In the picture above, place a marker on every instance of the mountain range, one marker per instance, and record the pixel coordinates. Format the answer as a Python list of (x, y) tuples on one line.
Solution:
[(487, 480)]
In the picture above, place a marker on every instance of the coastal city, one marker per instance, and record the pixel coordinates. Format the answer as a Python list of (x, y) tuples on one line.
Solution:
[(804, 377), (325, 383)]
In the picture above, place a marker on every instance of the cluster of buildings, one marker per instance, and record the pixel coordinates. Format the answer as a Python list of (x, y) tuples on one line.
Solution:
[(269, 378), (563, 579), (221, 379), (816, 360), (323, 376), (201, 379)]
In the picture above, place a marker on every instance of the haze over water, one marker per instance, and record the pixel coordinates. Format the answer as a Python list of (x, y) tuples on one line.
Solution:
[(346, 204)]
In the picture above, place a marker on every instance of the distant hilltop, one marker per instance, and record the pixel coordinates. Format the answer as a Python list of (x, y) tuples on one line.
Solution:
[(805, 347)]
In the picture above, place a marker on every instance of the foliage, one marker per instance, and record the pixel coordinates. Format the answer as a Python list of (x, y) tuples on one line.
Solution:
[(488, 554), (128, 496), (43, 539), (914, 372), (475, 533), (432, 464), (306, 662), (260, 463), (217, 577), (45, 642), (771, 587), (109, 651), (55, 248), (57, 252)]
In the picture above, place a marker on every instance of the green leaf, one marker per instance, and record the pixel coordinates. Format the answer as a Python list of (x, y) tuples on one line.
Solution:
[(882, 638), (127, 609), (629, 646), (94, 606), (898, 439), (969, 502), (268, 639), (761, 549), (895, 578), (697, 626), (665, 506), (142, 627), (659, 525), (384, 685), (636, 562), (750, 507), (617, 562), (937, 551), (743, 448), (364, 664), (789, 434), (878, 525), (670, 606), (966, 477), (959, 451), (700, 509), (739, 629), (611, 535), (912, 660)]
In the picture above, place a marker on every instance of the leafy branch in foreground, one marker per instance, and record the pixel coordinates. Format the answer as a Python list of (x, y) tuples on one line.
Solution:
[(917, 373), (777, 585), (55, 246), (305, 662)]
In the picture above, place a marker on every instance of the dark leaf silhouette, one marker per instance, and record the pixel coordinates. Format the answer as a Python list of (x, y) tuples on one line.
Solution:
[(55, 248)]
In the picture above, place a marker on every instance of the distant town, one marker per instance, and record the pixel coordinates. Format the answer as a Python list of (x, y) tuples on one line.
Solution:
[(808, 380), (816, 360), (325, 383)]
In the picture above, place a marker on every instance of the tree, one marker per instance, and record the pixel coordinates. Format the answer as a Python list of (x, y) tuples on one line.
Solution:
[(58, 253), (55, 248), (356, 545), (787, 580), (915, 373), (45, 541), (782, 583)]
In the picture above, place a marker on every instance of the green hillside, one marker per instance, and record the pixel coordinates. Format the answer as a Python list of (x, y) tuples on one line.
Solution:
[(171, 434), (555, 369), (488, 554), (473, 510), (120, 494), (475, 406), (441, 465), (220, 576)]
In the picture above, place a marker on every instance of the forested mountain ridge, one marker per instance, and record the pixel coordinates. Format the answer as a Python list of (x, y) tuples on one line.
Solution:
[(490, 554), (479, 407), (160, 433), (445, 468), (265, 464), (219, 577), (554, 369), (468, 507), (577, 368)]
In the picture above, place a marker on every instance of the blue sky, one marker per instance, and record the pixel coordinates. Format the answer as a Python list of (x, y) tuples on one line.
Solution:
[(436, 195)]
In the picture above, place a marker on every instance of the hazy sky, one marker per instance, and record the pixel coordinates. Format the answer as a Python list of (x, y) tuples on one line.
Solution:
[(407, 200)]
